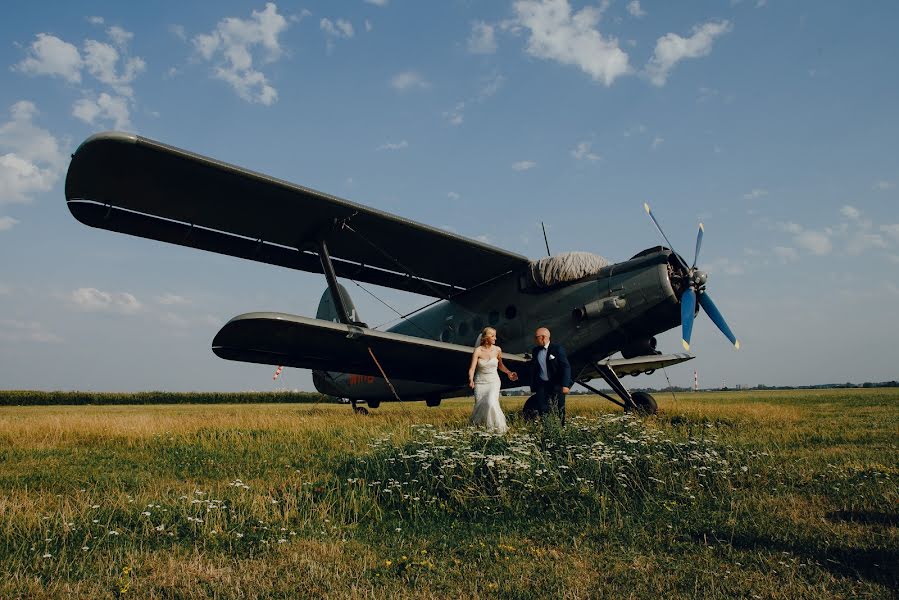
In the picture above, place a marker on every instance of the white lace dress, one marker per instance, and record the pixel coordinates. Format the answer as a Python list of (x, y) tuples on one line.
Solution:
[(487, 411)]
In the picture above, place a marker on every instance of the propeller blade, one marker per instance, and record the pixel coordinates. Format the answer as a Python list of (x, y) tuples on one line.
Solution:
[(698, 245), (659, 227), (715, 315), (687, 312)]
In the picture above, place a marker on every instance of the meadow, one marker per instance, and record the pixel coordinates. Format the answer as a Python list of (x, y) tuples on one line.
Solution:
[(757, 494)]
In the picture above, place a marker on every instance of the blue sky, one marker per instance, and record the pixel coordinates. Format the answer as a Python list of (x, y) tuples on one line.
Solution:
[(772, 122)]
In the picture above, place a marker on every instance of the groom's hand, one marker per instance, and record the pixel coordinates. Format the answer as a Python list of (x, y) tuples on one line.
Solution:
[(565, 390)]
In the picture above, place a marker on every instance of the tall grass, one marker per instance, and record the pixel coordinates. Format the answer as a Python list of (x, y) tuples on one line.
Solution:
[(772, 495)]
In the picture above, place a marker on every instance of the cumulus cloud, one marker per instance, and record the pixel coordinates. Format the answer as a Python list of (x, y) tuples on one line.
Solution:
[(26, 331), (571, 38), (882, 186), (786, 253), (523, 165), (816, 242), (453, 195), (408, 80), (394, 145), (102, 61), (657, 142), (482, 39), (110, 64), (672, 49), (94, 300), (339, 29), (850, 212), (30, 157), (582, 152), (635, 10), (49, 55), (7, 223), (377, 2), (231, 47), (104, 107)]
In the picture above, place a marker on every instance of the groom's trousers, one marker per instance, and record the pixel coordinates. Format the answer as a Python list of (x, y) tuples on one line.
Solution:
[(547, 396)]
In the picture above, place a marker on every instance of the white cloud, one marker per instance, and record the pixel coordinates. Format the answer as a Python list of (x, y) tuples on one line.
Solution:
[(96, 20), (816, 242), (882, 186), (786, 254), (102, 60), (169, 299), (178, 31), (453, 196), (635, 10), (26, 331), (571, 39), (339, 28), (368, 25), (50, 55), (860, 242), (119, 36), (892, 230), (657, 142), (850, 212), (672, 48), (93, 300), (32, 161), (755, 194), (582, 152), (394, 145), (112, 109), (7, 223), (377, 2), (482, 39), (408, 80), (524, 165), (231, 45), (637, 130), (726, 266)]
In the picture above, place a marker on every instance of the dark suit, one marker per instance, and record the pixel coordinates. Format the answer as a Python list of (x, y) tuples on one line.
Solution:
[(548, 394)]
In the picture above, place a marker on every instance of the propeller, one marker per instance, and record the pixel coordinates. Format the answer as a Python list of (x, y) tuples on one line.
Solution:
[(695, 291)]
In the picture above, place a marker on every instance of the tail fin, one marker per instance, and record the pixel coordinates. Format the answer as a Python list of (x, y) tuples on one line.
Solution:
[(327, 311)]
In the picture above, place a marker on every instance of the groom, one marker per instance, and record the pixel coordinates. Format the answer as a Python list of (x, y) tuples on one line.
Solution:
[(550, 377)]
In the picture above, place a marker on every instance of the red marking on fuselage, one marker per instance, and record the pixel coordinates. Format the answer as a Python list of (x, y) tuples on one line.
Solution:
[(363, 379)]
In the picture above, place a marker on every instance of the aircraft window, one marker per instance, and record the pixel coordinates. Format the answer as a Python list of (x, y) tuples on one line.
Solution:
[(463, 328), (511, 311), (446, 335), (493, 317)]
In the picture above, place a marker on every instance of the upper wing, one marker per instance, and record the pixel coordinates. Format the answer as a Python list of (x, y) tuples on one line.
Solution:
[(134, 185), (280, 339)]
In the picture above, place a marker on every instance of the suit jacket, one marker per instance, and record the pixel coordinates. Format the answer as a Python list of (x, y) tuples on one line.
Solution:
[(557, 367)]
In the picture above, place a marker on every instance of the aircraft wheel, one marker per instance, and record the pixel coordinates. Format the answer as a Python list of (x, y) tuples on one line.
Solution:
[(646, 404), (433, 401), (360, 410), (373, 403)]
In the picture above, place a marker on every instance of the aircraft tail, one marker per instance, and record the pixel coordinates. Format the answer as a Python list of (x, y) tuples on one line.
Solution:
[(327, 311)]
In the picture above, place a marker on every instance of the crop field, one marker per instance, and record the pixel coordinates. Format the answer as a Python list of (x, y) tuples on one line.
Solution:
[(741, 494)]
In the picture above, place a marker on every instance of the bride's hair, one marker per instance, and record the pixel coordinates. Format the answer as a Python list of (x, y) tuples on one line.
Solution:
[(485, 331)]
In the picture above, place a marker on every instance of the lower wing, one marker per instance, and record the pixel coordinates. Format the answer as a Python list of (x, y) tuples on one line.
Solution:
[(289, 340)]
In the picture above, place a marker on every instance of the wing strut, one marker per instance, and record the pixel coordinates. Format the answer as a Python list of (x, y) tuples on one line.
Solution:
[(328, 268)]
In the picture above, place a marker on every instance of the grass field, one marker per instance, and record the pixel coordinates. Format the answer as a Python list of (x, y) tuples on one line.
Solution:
[(748, 494)]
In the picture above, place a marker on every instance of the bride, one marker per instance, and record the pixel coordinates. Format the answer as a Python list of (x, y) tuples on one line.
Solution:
[(484, 380)]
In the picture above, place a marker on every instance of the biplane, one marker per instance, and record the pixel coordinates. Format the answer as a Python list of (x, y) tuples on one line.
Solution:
[(137, 186)]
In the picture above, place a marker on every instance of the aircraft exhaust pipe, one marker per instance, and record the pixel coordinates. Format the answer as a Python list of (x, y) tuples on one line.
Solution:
[(599, 308)]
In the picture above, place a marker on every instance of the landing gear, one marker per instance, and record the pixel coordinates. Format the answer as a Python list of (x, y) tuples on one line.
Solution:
[(433, 401), (639, 402), (644, 403), (360, 410)]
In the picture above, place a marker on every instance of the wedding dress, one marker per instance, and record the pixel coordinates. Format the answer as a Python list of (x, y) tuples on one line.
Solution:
[(487, 411)]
